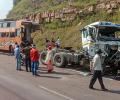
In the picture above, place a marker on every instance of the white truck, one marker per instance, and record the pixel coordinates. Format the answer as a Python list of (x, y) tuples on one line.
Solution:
[(98, 35)]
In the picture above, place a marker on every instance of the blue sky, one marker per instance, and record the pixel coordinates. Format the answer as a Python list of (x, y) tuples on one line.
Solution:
[(5, 7)]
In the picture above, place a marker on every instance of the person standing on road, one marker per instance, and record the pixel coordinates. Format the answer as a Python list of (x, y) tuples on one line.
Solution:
[(11, 50), (97, 71), (48, 59), (17, 57), (26, 51), (15, 45), (34, 55)]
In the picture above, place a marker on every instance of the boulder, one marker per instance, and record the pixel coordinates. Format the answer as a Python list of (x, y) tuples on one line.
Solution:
[(91, 9), (114, 5), (100, 6), (110, 11), (108, 6)]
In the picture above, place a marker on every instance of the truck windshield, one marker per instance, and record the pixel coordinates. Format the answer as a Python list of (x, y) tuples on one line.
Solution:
[(108, 34)]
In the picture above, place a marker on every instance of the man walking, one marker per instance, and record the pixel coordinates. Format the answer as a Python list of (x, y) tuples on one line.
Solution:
[(17, 56), (97, 71), (34, 55)]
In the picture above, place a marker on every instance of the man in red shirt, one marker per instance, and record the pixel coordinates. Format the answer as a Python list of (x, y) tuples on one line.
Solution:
[(34, 55)]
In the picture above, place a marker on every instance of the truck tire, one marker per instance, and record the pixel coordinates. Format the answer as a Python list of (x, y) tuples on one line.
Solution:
[(59, 60), (43, 57)]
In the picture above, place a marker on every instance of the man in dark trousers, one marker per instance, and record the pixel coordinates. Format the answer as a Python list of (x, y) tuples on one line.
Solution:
[(97, 71), (34, 55), (26, 51)]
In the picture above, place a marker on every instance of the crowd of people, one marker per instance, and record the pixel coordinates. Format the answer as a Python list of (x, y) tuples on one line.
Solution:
[(53, 43), (31, 57), (27, 55)]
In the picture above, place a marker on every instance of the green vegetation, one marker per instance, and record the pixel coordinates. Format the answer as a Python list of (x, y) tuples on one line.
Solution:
[(67, 31), (28, 6)]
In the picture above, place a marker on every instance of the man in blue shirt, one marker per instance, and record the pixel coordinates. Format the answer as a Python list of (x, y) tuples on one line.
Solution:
[(17, 57)]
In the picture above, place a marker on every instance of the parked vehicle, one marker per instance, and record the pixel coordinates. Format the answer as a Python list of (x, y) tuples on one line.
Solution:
[(12, 32)]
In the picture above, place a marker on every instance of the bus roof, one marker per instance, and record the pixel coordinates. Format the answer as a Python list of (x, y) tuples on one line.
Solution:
[(23, 21), (2, 20)]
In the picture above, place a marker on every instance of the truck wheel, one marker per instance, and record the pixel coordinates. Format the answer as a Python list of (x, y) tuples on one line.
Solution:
[(43, 57), (59, 60)]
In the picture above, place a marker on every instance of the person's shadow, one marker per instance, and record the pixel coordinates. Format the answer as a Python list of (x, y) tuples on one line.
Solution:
[(117, 78), (114, 91), (109, 91)]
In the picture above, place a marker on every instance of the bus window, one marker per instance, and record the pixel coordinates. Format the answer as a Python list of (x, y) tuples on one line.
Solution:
[(8, 24), (7, 34), (4, 25), (13, 24), (1, 25), (12, 34), (3, 34), (0, 34)]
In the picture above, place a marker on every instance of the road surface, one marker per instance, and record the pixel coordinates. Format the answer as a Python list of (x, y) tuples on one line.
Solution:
[(62, 84)]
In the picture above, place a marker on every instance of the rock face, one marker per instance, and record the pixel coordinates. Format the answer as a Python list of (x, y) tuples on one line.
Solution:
[(70, 13)]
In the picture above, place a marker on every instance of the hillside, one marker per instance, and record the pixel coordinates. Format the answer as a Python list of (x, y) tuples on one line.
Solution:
[(64, 18)]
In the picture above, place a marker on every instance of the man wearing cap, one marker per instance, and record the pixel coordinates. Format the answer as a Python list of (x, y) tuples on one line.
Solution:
[(97, 71), (34, 55)]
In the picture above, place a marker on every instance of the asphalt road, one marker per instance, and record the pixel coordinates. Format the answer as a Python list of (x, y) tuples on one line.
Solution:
[(62, 84)]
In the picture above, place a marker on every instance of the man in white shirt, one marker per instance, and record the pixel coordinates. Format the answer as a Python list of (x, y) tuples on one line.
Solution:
[(97, 71)]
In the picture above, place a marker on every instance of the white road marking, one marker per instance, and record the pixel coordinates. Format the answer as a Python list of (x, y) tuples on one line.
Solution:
[(56, 93)]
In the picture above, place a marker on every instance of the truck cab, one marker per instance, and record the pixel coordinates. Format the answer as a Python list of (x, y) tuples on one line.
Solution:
[(104, 36), (100, 35)]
